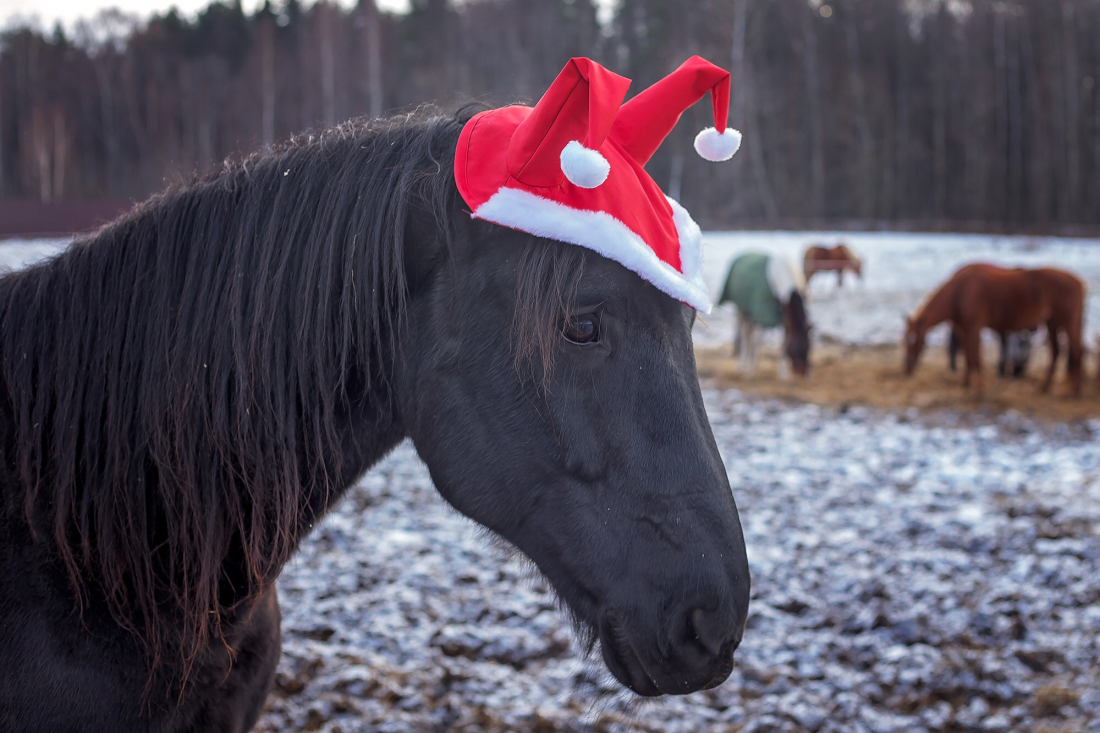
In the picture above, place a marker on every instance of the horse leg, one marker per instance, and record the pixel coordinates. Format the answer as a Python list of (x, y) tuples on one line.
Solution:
[(840, 278), (972, 343), (1073, 360), (748, 347), (953, 349), (754, 345), (738, 331), (739, 340), (1021, 353), (1055, 349), (1002, 363), (1098, 360)]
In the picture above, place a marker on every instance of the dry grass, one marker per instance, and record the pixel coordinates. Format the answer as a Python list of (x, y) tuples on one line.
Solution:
[(872, 375), (1050, 699)]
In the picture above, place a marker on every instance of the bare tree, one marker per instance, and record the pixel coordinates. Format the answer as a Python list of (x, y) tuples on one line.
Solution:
[(866, 165), (1073, 106), (267, 83), (916, 110), (373, 42), (810, 64), (328, 67)]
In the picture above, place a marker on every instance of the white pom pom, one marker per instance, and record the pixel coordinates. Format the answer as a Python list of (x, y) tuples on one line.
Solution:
[(717, 146), (583, 167)]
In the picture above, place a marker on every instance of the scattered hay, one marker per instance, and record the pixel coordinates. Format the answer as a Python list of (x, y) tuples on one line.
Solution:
[(1050, 699), (845, 375)]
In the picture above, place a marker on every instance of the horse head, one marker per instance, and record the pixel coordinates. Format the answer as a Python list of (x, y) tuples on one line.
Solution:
[(796, 334), (552, 390), (914, 342), (553, 395)]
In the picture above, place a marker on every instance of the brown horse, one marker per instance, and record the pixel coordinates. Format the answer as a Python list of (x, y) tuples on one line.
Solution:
[(986, 296), (838, 258)]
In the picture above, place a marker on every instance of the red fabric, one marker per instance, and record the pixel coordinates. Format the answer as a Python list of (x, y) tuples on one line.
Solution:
[(628, 194), (579, 105), (520, 147), (646, 120)]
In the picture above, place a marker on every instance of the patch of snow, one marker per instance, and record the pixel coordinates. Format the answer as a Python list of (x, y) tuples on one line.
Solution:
[(16, 254)]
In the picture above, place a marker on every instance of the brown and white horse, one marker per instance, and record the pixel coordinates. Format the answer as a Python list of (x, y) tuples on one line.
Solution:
[(768, 291), (838, 259), (1005, 300)]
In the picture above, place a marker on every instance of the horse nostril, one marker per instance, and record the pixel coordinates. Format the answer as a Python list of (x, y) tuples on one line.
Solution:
[(713, 632), (703, 631)]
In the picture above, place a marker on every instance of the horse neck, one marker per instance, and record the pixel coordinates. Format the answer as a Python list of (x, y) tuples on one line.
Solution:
[(936, 310), (794, 312)]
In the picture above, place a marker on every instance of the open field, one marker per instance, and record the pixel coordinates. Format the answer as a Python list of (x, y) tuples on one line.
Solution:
[(908, 575), (871, 375), (922, 560), (899, 271)]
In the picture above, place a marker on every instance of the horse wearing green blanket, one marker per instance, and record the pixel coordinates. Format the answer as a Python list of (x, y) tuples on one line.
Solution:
[(768, 291)]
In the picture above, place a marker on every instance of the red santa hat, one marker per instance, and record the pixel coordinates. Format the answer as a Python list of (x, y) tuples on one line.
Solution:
[(571, 168)]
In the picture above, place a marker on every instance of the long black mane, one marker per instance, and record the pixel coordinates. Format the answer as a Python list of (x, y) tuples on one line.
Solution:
[(177, 378)]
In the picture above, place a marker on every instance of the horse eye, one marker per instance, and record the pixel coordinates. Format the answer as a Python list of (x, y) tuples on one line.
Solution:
[(582, 329)]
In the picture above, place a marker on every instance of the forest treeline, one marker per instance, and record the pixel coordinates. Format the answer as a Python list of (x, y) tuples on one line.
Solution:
[(937, 112)]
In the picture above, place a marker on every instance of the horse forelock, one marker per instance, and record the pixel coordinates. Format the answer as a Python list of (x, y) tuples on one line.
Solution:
[(175, 378), (546, 289)]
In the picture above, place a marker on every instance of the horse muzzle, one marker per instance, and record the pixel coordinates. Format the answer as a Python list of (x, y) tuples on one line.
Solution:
[(694, 650)]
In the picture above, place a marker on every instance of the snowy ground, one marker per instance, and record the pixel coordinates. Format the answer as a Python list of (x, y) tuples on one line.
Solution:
[(899, 270), (909, 572), (907, 576)]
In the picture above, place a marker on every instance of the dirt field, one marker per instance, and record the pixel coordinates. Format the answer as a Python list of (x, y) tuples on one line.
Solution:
[(872, 375)]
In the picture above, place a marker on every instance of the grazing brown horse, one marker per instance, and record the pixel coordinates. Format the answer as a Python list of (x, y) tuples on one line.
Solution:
[(987, 296), (838, 259), (1015, 353)]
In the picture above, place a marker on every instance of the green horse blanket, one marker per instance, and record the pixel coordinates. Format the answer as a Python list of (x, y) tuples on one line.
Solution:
[(747, 287)]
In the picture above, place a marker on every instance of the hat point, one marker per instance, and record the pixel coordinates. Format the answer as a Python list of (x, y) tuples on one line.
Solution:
[(546, 170), (717, 146), (583, 166)]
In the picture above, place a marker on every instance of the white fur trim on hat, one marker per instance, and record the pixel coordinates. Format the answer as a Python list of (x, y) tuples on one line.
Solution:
[(691, 247), (583, 166), (607, 236), (717, 146)]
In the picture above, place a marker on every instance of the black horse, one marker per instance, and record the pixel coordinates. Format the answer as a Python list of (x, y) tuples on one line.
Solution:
[(186, 393)]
